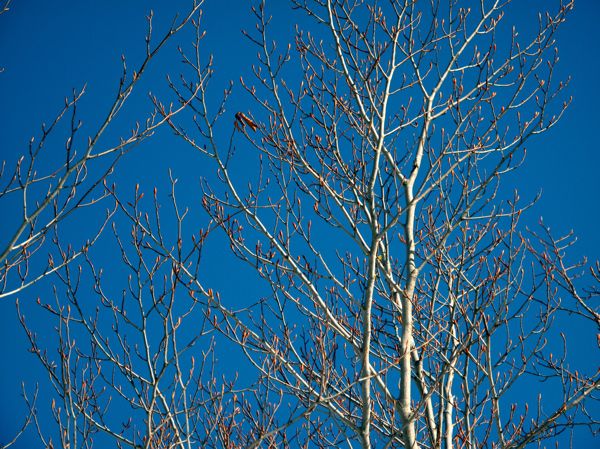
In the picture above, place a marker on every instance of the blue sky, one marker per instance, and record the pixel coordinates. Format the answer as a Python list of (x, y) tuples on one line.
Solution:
[(49, 48)]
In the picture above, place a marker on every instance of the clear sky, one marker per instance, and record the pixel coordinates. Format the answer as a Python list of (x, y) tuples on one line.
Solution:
[(49, 48)]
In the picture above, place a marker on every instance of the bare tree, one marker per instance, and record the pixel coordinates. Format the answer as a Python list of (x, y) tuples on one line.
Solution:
[(49, 193), (407, 306)]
